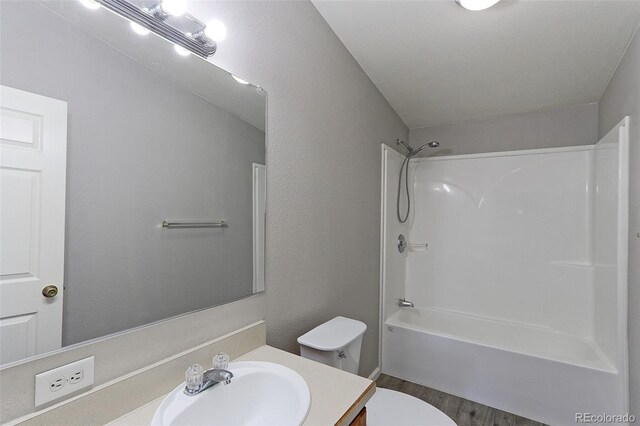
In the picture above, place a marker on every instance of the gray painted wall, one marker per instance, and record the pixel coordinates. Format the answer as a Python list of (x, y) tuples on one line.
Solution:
[(548, 129), (140, 149), (326, 121), (621, 98)]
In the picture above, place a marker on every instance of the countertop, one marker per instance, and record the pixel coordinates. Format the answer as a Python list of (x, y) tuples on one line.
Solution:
[(336, 396)]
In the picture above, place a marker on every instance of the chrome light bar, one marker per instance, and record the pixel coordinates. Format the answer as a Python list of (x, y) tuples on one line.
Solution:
[(196, 42)]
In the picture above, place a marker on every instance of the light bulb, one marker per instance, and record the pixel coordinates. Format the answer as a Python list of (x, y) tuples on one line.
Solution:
[(476, 5), (181, 50), (215, 30), (90, 4), (139, 29), (239, 80), (174, 7)]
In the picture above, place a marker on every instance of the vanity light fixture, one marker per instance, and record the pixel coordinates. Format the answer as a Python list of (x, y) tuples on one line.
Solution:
[(167, 8), (183, 30), (211, 33), (216, 30), (239, 80), (475, 5)]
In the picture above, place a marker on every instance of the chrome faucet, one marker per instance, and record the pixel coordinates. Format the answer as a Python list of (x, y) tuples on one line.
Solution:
[(198, 381), (404, 303)]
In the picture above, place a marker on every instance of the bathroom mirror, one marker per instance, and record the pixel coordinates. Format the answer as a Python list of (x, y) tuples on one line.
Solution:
[(133, 179)]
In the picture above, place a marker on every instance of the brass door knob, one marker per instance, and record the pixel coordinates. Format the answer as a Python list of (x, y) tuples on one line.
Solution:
[(50, 291)]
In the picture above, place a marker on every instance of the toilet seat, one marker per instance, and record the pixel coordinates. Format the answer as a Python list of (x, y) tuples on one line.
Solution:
[(391, 408)]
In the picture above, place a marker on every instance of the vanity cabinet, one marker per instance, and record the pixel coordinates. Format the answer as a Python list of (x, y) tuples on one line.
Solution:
[(360, 419)]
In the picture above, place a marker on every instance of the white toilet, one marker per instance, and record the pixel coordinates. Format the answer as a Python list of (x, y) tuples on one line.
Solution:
[(337, 343)]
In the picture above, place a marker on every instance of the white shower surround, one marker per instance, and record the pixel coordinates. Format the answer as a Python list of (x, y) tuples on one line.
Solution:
[(520, 293)]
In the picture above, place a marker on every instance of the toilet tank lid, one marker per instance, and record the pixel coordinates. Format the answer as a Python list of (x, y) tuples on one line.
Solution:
[(334, 334)]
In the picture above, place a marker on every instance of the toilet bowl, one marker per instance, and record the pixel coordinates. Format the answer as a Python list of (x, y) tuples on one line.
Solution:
[(337, 343), (391, 408)]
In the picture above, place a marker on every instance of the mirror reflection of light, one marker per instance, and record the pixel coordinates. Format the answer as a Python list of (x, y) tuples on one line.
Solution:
[(239, 80), (476, 5), (442, 187), (90, 4), (139, 29), (181, 50)]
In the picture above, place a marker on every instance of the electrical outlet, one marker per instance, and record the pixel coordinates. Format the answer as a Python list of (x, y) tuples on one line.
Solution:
[(56, 384), (77, 376), (61, 381)]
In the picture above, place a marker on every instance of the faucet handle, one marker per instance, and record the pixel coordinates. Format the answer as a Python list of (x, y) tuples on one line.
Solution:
[(194, 377), (221, 361)]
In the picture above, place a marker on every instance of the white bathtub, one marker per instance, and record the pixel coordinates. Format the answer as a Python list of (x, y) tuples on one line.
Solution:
[(533, 372)]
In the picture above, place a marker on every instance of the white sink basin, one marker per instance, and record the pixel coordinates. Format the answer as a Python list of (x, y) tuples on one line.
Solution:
[(260, 393)]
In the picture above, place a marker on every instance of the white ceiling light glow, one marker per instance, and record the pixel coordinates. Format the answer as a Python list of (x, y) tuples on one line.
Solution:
[(216, 30), (476, 5)]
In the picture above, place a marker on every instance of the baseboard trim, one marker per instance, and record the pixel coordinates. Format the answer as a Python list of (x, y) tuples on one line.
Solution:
[(376, 373)]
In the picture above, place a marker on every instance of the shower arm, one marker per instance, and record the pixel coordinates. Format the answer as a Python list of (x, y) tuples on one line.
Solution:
[(407, 146)]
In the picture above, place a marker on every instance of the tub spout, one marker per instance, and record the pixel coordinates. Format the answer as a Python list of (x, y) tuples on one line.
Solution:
[(404, 303)]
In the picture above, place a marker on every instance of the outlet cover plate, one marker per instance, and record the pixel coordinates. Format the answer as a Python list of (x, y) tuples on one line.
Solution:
[(45, 391)]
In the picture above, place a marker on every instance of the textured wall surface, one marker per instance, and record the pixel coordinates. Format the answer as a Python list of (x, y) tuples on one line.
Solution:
[(622, 98), (130, 165), (548, 129), (326, 121)]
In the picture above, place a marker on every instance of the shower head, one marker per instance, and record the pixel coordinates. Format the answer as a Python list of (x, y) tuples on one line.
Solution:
[(432, 144), (411, 152)]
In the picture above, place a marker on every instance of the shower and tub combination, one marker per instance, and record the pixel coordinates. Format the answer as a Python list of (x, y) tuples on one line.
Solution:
[(511, 287)]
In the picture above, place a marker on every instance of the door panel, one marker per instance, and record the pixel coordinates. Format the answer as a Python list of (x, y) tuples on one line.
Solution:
[(33, 138), (19, 190), (20, 334), (20, 128)]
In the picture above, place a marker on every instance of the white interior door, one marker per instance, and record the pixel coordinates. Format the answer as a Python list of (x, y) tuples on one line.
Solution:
[(33, 151), (259, 208)]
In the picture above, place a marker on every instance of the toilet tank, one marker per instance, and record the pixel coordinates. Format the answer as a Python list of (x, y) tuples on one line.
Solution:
[(336, 343)]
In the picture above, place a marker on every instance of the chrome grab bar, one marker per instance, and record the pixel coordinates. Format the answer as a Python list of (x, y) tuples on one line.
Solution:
[(188, 224)]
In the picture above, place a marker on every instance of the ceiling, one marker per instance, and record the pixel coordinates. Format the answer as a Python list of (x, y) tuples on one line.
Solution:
[(439, 64)]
